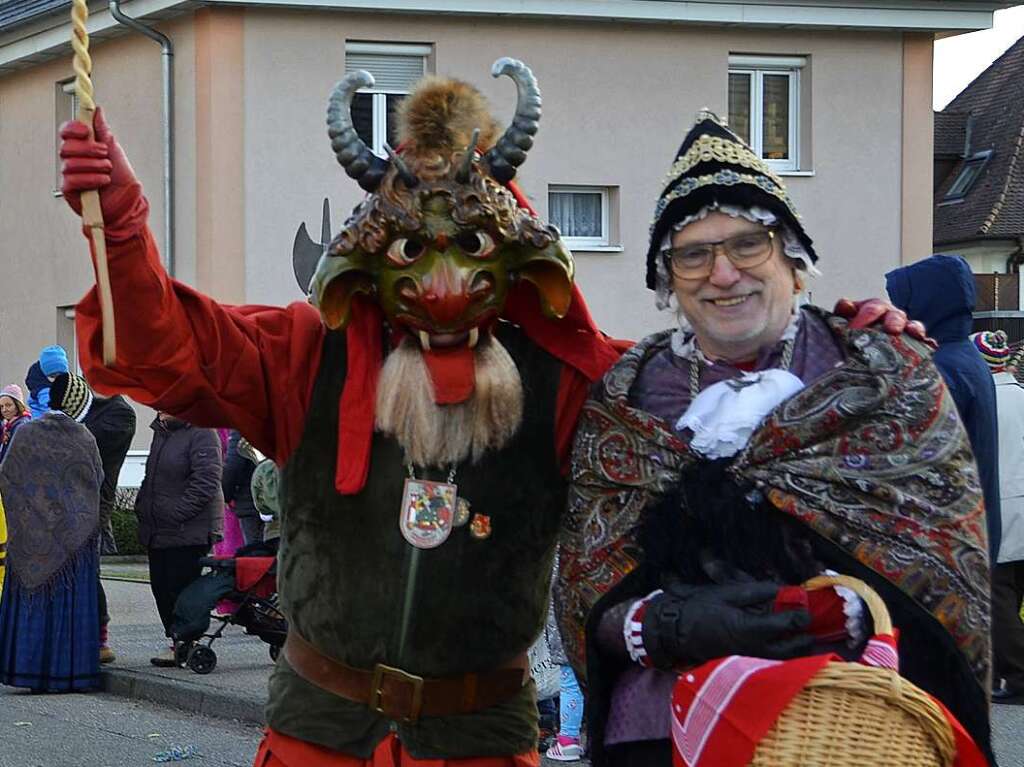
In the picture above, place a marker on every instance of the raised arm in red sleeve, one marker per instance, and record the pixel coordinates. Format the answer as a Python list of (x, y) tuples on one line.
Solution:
[(573, 389), (247, 367)]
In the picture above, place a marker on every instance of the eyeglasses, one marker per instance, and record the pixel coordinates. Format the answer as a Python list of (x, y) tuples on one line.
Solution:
[(744, 251)]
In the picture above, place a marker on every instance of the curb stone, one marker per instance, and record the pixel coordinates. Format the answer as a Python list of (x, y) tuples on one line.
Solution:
[(184, 695), (196, 698)]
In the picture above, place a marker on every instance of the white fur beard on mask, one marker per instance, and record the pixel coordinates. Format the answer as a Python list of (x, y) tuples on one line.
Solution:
[(445, 435)]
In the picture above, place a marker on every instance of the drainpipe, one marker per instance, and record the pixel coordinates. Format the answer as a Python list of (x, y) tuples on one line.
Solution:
[(167, 54)]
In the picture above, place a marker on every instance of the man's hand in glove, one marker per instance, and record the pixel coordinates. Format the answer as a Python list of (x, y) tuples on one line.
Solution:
[(693, 624), (100, 163)]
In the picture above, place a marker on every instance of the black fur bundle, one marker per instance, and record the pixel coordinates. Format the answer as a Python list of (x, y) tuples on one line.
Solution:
[(713, 528)]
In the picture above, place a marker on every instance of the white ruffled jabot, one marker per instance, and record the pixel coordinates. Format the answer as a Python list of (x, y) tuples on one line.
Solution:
[(725, 415)]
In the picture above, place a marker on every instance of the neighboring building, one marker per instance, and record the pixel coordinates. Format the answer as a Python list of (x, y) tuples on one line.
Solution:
[(835, 94), (979, 187)]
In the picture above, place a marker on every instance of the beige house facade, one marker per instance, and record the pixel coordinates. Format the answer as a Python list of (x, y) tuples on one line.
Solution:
[(836, 94)]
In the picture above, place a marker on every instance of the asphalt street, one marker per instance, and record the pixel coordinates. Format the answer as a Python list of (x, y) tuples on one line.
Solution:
[(100, 730)]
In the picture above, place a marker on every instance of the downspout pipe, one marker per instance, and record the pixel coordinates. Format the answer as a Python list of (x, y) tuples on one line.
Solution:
[(167, 55)]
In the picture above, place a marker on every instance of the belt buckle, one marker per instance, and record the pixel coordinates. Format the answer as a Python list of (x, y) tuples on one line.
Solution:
[(380, 671)]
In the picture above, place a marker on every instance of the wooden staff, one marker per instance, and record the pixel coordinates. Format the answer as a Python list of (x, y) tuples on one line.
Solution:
[(92, 214)]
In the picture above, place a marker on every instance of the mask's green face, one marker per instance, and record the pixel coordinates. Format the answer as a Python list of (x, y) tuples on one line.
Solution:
[(440, 260)]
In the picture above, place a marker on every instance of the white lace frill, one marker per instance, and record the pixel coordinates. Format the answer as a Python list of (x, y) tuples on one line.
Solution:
[(723, 416), (855, 612)]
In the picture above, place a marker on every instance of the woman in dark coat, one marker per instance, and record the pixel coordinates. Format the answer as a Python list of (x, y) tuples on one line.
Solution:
[(180, 508)]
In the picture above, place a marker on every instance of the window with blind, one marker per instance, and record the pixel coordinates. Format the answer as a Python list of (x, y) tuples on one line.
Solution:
[(395, 69), (764, 106), (581, 214)]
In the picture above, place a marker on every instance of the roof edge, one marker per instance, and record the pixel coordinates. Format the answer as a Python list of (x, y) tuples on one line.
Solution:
[(28, 43)]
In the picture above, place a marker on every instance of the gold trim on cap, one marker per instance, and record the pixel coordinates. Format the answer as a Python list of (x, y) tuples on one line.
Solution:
[(708, 148)]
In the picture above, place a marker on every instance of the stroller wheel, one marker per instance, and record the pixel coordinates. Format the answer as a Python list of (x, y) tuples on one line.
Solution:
[(202, 659), (274, 652)]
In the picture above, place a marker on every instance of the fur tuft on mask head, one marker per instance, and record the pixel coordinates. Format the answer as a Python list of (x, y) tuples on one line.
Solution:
[(440, 116)]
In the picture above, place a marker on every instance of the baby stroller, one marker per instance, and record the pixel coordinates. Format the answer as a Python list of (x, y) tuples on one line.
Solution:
[(248, 579)]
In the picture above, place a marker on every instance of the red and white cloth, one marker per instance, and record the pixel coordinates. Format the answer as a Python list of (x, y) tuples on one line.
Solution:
[(722, 709), (633, 630)]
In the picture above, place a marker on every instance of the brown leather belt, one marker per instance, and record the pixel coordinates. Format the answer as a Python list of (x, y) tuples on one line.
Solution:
[(399, 695)]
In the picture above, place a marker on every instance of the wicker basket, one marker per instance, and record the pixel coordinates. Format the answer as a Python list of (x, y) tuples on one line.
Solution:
[(853, 715)]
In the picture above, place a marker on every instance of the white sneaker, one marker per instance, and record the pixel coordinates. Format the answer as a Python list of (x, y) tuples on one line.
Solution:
[(166, 659), (571, 752)]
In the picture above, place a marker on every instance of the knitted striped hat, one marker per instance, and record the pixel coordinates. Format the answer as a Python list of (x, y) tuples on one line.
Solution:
[(71, 394), (993, 348)]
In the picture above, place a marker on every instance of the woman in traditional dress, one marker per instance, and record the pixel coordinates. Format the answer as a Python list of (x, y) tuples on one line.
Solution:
[(50, 484)]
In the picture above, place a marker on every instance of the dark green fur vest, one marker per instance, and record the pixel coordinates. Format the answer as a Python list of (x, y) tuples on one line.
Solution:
[(474, 604)]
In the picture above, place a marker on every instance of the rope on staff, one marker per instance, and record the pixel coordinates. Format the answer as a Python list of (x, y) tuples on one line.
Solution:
[(92, 214)]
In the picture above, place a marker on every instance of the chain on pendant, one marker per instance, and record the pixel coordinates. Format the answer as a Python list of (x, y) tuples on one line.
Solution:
[(695, 366)]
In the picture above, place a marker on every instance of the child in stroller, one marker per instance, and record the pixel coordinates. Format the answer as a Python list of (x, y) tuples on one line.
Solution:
[(248, 579)]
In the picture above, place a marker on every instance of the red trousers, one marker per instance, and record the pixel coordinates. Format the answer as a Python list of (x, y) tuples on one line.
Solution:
[(277, 750)]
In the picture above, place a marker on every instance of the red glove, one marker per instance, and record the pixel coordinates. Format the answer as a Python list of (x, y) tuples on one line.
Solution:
[(870, 312), (828, 620), (101, 164)]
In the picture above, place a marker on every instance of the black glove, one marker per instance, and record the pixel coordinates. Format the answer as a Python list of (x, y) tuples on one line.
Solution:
[(694, 624)]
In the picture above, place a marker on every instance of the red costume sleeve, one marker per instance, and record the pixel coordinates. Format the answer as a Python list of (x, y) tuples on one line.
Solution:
[(573, 390), (250, 367)]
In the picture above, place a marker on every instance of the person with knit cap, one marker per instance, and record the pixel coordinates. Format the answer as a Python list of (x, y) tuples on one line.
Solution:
[(763, 441), (1008, 572), (52, 361), (13, 413), (111, 421), (421, 406)]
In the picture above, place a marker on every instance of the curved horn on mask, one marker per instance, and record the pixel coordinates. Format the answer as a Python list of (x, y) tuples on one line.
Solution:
[(510, 151), (354, 156)]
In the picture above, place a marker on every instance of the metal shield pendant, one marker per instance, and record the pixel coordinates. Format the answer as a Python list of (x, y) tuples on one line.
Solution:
[(428, 511)]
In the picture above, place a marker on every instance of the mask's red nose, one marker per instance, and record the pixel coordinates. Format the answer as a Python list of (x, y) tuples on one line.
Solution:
[(445, 297)]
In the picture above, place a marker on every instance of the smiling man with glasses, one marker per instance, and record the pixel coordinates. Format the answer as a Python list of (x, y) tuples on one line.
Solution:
[(723, 463)]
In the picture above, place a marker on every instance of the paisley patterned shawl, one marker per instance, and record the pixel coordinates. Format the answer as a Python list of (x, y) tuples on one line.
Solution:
[(50, 484), (871, 456)]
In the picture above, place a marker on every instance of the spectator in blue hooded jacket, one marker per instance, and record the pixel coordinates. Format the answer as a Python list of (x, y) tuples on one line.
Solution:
[(38, 386), (53, 361), (939, 291)]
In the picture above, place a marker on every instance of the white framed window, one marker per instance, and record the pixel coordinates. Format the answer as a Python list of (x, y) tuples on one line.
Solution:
[(65, 108), (764, 106), (395, 68), (582, 214)]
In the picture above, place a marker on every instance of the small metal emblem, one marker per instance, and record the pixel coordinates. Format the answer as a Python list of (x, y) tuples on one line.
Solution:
[(428, 511), (461, 512), (480, 527)]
